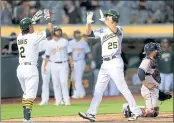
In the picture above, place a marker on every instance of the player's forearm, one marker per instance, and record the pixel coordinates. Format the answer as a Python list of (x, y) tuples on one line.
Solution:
[(112, 27), (50, 26), (88, 29), (70, 59), (145, 83), (46, 62)]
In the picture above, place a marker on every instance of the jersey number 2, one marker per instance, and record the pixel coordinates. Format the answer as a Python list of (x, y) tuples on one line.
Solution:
[(112, 45), (22, 50)]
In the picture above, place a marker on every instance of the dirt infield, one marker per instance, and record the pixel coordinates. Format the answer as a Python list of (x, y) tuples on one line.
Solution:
[(102, 118)]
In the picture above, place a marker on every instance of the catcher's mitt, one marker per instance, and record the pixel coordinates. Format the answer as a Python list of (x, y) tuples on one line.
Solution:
[(164, 96)]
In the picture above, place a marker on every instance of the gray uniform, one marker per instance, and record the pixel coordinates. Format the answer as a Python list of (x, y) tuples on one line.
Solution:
[(150, 95)]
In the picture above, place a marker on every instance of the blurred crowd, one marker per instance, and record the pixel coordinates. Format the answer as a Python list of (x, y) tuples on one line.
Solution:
[(74, 12)]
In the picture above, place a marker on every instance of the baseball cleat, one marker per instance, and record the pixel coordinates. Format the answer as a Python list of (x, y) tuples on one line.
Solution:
[(67, 104), (75, 97), (134, 117), (87, 116), (62, 103), (27, 121), (43, 103)]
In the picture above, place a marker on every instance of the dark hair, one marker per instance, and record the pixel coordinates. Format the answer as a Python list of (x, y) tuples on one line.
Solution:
[(25, 31)]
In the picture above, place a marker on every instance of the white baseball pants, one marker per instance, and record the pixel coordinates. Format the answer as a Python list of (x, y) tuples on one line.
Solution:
[(46, 80), (150, 97), (111, 89), (166, 81), (28, 77), (79, 67), (113, 69), (59, 74)]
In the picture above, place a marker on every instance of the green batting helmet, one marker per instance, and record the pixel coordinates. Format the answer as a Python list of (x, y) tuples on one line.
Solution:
[(56, 28), (115, 15), (25, 22)]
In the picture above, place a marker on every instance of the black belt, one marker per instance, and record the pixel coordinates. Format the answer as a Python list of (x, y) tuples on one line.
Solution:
[(25, 63), (59, 62), (109, 58)]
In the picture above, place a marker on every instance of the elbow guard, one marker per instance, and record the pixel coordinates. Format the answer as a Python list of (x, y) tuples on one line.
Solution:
[(48, 33), (141, 74)]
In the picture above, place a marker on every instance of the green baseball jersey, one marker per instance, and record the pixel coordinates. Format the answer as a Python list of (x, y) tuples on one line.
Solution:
[(165, 62)]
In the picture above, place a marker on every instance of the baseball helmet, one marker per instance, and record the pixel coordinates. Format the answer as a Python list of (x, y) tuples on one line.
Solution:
[(149, 47), (25, 22), (115, 15), (56, 28)]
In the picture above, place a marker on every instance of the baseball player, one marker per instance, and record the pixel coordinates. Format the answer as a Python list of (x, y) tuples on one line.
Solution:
[(166, 71), (150, 78), (79, 49), (58, 53), (45, 76), (112, 67), (27, 72)]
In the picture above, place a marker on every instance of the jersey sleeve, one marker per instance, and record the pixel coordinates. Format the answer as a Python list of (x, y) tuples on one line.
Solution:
[(41, 46), (119, 31), (145, 65), (97, 33), (87, 49), (69, 49), (48, 49), (40, 36)]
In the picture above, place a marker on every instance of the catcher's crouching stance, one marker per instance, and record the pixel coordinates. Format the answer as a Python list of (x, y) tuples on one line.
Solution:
[(150, 78)]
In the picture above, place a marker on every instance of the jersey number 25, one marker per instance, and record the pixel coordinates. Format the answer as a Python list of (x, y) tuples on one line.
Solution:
[(112, 45)]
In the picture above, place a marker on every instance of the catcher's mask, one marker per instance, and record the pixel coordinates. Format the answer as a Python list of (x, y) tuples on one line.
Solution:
[(115, 15), (149, 47), (55, 29)]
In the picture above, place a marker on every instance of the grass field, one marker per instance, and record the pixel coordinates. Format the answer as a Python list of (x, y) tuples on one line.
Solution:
[(10, 111)]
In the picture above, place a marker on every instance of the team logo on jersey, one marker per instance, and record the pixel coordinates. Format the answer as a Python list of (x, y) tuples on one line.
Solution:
[(107, 37)]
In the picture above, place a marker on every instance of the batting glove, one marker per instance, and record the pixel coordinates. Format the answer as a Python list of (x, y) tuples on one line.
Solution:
[(102, 17), (37, 16), (89, 17), (47, 14), (93, 65)]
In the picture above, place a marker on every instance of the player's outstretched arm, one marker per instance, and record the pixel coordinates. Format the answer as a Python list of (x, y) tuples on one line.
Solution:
[(47, 16), (88, 24)]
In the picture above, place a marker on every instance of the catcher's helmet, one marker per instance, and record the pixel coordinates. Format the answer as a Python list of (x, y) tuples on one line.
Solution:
[(25, 22), (115, 15), (149, 47)]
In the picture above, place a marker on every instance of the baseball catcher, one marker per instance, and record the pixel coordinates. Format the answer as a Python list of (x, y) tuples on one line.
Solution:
[(150, 78)]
